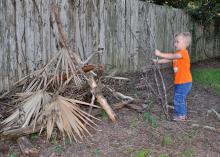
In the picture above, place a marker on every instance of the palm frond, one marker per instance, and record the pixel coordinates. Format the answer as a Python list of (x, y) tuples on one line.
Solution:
[(28, 109), (65, 65), (52, 110), (51, 74), (69, 118)]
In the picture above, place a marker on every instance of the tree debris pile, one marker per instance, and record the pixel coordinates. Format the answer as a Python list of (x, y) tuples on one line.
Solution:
[(54, 96), (63, 93)]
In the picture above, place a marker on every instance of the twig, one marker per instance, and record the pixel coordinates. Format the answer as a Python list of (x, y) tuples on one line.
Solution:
[(92, 102), (214, 111), (165, 91), (27, 147), (118, 78), (121, 104), (169, 106), (206, 127), (170, 87), (89, 58), (160, 95), (118, 94), (163, 103), (149, 85), (10, 134), (165, 108)]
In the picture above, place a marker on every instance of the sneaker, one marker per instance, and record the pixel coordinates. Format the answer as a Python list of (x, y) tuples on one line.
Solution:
[(180, 118)]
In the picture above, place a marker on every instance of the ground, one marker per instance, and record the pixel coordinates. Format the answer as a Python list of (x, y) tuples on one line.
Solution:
[(146, 132)]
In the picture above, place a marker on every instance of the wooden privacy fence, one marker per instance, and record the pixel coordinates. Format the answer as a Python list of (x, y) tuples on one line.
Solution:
[(118, 29)]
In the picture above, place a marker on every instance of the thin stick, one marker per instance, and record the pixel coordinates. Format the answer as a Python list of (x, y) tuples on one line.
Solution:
[(92, 102), (205, 127), (160, 94), (165, 92), (148, 85), (160, 74), (214, 111), (165, 107), (118, 94)]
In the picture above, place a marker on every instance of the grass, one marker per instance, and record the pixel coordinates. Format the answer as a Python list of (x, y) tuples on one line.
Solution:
[(207, 78), (188, 153), (144, 153), (98, 151), (53, 139), (67, 141), (134, 122), (58, 149), (167, 140), (34, 137), (104, 115), (148, 118), (12, 154)]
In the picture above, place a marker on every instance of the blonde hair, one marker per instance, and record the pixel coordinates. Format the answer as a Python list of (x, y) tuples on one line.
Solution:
[(187, 36)]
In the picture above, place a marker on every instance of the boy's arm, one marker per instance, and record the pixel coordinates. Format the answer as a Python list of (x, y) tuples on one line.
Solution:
[(169, 56), (162, 61)]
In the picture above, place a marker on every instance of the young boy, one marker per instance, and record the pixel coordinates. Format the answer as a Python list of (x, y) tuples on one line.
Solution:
[(182, 74)]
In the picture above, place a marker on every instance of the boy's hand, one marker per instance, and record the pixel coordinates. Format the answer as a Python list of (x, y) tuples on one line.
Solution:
[(157, 52), (155, 60)]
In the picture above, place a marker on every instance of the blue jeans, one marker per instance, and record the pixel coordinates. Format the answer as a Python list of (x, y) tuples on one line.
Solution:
[(180, 93)]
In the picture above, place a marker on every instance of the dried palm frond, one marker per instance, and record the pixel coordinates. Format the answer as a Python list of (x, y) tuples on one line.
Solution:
[(44, 108), (65, 66), (59, 71), (38, 82), (29, 109), (68, 117), (41, 74)]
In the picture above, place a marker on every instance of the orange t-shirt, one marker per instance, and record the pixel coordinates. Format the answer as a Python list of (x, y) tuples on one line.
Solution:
[(181, 68)]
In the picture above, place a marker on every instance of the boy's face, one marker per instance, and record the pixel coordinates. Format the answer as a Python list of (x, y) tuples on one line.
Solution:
[(180, 43)]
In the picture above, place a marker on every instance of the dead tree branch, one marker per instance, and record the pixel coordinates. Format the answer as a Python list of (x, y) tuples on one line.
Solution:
[(93, 85), (215, 112)]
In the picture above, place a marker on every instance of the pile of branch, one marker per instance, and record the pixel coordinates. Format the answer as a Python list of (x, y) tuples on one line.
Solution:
[(157, 87), (161, 91), (42, 103)]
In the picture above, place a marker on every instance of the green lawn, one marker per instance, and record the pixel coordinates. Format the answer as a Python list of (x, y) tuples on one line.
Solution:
[(207, 78)]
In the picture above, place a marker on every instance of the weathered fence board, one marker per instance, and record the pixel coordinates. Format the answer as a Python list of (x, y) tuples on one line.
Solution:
[(123, 30)]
